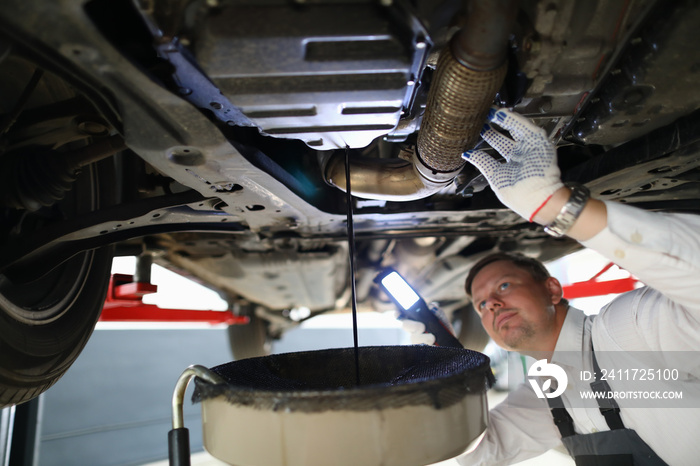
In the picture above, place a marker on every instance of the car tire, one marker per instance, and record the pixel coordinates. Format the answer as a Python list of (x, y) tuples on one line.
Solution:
[(45, 323), (46, 319), (249, 340)]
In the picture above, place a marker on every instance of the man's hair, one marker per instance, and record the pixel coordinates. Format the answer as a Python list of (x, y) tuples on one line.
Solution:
[(532, 266)]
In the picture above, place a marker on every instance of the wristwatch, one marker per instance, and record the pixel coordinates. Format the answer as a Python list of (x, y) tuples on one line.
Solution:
[(570, 212)]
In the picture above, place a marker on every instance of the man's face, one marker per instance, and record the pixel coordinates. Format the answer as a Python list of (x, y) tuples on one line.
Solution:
[(517, 311)]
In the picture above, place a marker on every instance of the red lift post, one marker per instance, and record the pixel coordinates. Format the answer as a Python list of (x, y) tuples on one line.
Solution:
[(595, 287), (124, 303)]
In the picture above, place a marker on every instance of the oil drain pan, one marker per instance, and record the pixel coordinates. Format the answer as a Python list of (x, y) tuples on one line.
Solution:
[(415, 405)]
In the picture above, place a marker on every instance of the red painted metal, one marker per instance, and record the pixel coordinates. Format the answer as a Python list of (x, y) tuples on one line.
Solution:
[(595, 287), (124, 303), (151, 313), (134, 290)]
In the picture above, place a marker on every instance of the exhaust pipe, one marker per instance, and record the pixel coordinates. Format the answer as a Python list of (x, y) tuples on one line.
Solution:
[(469, 73), (395, 179)]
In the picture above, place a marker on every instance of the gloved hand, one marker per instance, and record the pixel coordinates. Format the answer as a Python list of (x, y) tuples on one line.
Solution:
[(530, 175), (417, 332), (416, 329)]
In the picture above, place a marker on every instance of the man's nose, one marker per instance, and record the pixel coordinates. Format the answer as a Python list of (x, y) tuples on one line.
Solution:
[(493, 303)]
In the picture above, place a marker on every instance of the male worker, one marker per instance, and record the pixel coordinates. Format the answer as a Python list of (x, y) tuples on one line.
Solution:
[(522, 309)]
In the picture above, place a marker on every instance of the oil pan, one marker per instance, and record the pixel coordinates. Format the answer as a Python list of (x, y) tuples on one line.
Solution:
[(414, 405)]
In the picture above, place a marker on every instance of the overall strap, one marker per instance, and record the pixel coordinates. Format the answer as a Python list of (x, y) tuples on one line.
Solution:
[(562, 418), (608, 406)]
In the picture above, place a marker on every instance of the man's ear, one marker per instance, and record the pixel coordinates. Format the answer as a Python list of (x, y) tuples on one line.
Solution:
[(555, 290)]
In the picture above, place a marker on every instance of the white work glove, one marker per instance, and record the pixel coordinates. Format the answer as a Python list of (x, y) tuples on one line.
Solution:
[(530, 175), (417, 333), (416, 329)]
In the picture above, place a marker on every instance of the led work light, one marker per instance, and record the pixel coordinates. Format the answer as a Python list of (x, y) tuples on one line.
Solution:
[(412, 306)]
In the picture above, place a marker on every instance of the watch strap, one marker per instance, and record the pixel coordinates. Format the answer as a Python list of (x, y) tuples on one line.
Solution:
[(570, 212)]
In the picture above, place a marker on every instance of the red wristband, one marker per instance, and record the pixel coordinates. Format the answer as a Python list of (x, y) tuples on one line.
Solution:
[(539, 208)]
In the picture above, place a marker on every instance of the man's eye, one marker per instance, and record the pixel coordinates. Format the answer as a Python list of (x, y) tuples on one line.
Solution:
[(504, 286), (482, 305)]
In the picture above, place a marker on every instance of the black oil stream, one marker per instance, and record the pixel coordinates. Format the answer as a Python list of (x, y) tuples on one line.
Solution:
[(351, 244)]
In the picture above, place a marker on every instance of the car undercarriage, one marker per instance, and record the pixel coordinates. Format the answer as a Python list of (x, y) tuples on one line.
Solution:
[(218, 137)]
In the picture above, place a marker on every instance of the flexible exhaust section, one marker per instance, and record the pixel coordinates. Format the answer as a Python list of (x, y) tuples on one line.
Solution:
[(469, 74)]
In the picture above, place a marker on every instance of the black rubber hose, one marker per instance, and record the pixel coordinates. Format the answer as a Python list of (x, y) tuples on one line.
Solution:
[(179, 447)]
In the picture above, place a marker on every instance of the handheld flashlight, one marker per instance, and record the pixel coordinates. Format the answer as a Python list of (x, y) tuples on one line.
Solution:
[(413, 307)]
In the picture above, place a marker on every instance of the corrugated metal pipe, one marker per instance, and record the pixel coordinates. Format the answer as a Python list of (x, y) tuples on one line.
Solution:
[(469, 73)]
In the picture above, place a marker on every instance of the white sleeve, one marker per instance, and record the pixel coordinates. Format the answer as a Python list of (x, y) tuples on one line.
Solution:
[(661, 249), (520, 427)]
